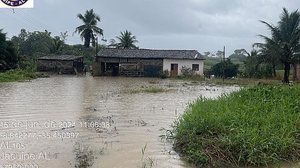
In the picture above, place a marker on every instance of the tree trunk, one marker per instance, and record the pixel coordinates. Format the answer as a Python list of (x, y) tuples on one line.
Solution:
[(287, 68), (274, 70), (295, 72), (87, 41)]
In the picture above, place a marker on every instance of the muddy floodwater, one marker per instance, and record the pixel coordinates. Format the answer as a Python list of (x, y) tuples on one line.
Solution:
[(105, 122)]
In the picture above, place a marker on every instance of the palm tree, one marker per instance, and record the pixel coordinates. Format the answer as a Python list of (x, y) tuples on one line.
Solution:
[(89, 28), (269, 54), (57, 45), (252, 62), (285, 40), (126, 40)]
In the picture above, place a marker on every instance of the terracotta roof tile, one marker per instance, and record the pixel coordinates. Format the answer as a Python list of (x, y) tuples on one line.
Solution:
[(60, 57), (149, 53)]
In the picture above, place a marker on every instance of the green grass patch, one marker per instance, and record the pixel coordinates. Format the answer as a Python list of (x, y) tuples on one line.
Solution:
[(18, 75), (233, 81), (258, 126), (242, 81)]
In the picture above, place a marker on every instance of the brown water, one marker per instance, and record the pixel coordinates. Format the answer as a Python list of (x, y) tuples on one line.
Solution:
[(109, 123)]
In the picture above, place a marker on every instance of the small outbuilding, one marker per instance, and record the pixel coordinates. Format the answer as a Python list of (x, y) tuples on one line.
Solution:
[(64, 64), (147, 62)]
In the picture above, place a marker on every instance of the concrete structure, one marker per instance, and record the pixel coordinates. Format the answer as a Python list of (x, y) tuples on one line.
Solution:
[(65, 64), (146, 62), (195, 65)]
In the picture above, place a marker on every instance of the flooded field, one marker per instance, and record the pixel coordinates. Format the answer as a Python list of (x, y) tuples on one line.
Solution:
[(104, 122)]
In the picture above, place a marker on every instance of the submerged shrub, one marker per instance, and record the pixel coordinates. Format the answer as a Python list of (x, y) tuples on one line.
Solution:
[(17, 75), (252, 127), (164, 74), (187, 72)]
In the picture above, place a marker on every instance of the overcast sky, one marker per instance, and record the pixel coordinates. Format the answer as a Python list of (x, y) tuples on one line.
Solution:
[(204, 25)]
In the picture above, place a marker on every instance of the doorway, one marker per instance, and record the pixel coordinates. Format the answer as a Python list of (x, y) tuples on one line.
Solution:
[(112, 69), (174, 70)]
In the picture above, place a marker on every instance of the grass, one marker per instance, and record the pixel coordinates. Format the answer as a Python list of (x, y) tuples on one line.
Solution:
[(147, 162), (258, 126), (19, 75), (242, 81), (233, 81)]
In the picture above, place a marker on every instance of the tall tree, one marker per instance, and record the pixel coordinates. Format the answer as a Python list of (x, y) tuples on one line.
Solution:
[(268, 53), (126, 40), (33, 44), (8, 56), (89, 27), (252, 63), (57, 45), (285, 40)]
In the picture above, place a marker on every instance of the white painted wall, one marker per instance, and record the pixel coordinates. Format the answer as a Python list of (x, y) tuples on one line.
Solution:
[(188, 63)]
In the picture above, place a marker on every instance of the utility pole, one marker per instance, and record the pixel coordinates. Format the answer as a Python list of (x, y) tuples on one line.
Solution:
[(96, 40), (223, 60)]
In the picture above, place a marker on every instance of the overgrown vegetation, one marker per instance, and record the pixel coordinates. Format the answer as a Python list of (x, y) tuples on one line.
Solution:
[(257, 126), (256, 66), (17, 75), (280, 51), (241, 81), (8, 56), (284, 43), (238, 57), (225, 69)]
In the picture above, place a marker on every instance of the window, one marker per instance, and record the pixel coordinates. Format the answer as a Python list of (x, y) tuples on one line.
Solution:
[(174, 67), (195, 67)]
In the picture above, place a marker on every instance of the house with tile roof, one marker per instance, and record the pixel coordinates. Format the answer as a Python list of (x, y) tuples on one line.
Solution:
[(63, 64), (147, 62)]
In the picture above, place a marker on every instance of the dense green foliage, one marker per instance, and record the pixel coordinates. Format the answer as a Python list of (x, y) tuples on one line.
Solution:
[(32, 45), (8, 55), (238, 57), (256, 66), (89, 29), (17, 75), (87, 53), (225, 69), (284, 43), (254, 126)]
